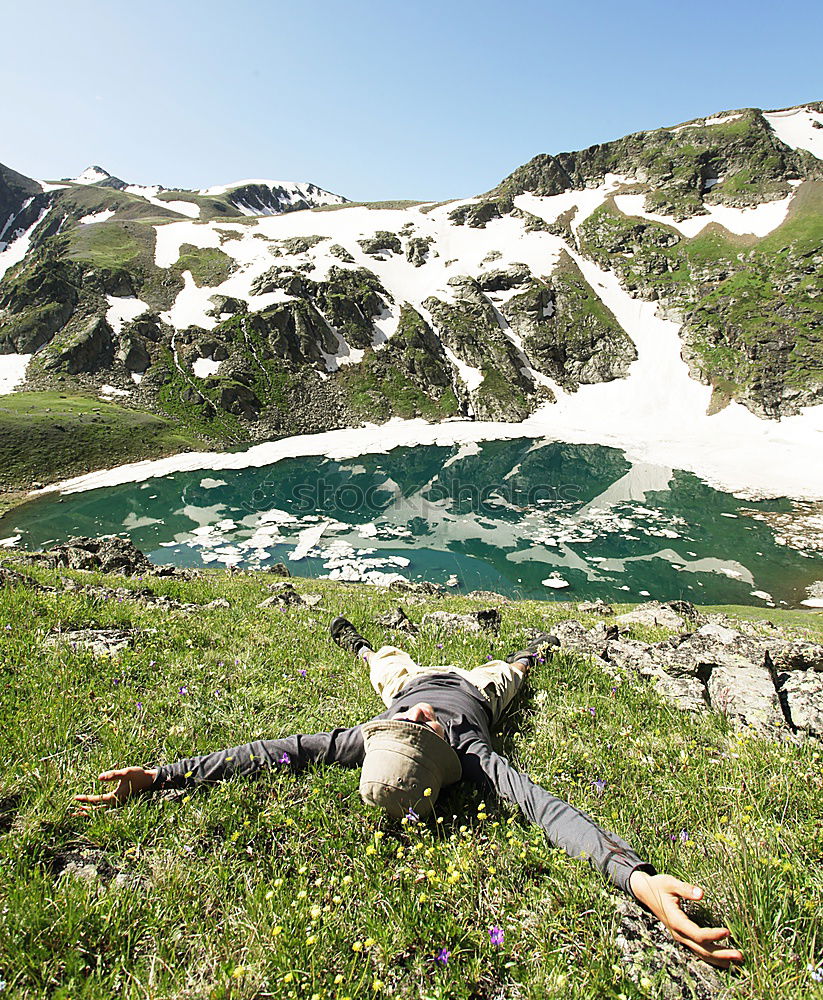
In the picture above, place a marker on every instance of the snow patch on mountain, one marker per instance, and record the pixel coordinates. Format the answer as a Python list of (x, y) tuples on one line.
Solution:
[(180, 207), (122, 310), (12, 371), (584, 202), (191, 307), (91, 175), (88, 220), (759, 220), (471, 377), (800, 128), (707, 122), (205, 367), (13, 252)]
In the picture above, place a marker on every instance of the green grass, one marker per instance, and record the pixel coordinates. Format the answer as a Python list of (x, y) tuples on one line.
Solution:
[(377, 392), (107, 244), (209, 266), (265, 888), (48, 436)]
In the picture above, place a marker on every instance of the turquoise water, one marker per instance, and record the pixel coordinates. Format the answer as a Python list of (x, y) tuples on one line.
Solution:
[(501, 515)]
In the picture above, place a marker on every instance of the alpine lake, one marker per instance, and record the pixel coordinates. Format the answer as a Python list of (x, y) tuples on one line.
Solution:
[(525, 518)]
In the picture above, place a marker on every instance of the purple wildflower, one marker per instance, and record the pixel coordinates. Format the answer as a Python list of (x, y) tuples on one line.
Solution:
[(412, 816), (139, 704), (303, 673), (443, 956), (816, 973), (439, 645), (684, 836), (488, 657), (614, 692), (599, 785), (152, 662), (285, 759), (590, 709), (184, 690), (496, 936)]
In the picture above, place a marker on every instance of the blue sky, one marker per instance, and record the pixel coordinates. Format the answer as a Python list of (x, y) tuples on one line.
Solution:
[(372, 99)]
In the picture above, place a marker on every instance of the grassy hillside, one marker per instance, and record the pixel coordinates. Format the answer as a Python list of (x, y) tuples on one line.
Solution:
[(289, 886), (48, 436)]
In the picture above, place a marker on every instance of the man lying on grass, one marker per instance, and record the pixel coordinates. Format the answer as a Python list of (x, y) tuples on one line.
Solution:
[(436, 730)]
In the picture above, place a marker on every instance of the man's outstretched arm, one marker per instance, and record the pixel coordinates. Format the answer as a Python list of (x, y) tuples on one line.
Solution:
[(578, 834), (340, 746)]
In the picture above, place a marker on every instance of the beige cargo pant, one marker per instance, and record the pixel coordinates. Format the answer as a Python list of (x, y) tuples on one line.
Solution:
[(391, 669)]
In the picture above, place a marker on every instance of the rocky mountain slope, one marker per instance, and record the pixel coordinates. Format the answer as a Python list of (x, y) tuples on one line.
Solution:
[(242, 317)]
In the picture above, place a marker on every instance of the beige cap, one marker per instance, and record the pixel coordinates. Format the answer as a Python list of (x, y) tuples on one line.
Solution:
[(402, 760)]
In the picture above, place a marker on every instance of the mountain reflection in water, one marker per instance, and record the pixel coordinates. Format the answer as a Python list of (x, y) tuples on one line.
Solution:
[(527, 518)]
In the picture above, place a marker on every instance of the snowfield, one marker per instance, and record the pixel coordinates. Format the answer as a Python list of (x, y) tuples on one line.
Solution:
[(18, 246), (758, 221), (122, 310), (12, 371), (799, 128)]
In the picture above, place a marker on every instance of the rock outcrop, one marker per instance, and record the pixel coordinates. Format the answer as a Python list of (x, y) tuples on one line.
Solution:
[(771, 685)]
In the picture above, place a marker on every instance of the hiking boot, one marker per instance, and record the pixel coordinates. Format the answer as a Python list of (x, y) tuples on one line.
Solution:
[(539, 648), (347, 637)]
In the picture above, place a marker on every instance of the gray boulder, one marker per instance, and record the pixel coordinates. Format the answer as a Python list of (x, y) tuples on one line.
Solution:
[(382, 242), (414, 587), (98, 641), (397, 619), (645, 948), (109, 554), (597, 607), (417, 250), (284, 596), (132, 354), (747, 696), (802, 693), (796, 655), (476, 621), (654, 613)]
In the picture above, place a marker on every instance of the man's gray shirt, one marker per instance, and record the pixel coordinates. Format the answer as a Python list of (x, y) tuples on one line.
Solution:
[(466, 718)]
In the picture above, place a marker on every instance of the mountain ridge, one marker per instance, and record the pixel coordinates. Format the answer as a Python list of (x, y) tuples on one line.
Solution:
[(242, 327)]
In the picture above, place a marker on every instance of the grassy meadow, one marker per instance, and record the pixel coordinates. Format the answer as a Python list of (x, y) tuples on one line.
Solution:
[(290, 887)]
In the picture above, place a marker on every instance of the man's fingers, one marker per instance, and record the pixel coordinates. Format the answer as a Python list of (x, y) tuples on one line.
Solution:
[(703, 941), (684, 889), (113, 775), (95, 799), (681, 924), (714, 955)]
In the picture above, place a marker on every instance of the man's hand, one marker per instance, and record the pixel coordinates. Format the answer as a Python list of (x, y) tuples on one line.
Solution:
[(130, 781), (663, 894)]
